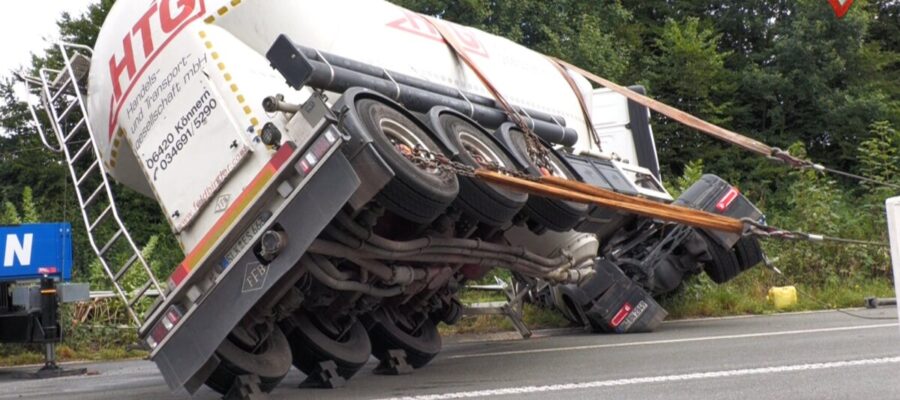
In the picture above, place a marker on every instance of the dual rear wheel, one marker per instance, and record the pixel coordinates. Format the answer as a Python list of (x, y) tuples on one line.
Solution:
[(241, 353)]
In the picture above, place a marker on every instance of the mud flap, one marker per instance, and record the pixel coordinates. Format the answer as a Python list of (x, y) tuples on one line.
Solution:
[(611, 302)]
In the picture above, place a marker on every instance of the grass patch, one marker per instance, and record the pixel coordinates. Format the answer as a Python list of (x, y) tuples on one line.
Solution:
[(80, 343), (535, 318), (16, 355), (700, 297)]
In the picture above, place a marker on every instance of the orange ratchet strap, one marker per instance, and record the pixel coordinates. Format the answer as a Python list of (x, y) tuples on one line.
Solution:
[(678, 115)]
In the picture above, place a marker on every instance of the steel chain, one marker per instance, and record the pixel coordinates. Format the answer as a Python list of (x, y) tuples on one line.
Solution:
[(427, 159)]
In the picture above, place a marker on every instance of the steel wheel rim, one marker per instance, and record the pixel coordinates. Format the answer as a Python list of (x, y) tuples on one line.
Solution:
[(399, 135), (477, 148)]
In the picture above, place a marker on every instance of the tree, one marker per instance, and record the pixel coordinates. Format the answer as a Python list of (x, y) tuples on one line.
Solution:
[(26, 213), (688, 71)]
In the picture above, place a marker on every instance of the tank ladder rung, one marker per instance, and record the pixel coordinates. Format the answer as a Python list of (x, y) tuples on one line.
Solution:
[(87, 173), (111, 242), (99, 219), (72, 106), (88, 145), (94, 196), (80, 124), (61, 91), (125, 267), (139, 294)]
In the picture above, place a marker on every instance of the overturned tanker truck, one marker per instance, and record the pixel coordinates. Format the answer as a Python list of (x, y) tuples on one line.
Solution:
[(281, 139)]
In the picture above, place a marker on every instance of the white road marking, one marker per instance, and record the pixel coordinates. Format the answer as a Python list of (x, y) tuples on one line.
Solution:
[(670, 341), (653, 379)]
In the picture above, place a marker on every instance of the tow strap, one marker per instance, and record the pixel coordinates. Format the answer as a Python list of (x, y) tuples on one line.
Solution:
[(713, 130), (536, 152), (588, 122), (676, 114), (550, 186)]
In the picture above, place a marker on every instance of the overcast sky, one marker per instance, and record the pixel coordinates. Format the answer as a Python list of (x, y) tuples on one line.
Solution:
[(27, 26)]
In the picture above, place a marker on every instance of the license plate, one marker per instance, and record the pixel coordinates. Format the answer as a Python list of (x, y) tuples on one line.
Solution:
[(245, 239)]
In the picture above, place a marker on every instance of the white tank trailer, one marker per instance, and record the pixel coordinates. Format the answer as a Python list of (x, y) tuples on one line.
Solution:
[(275, 136)]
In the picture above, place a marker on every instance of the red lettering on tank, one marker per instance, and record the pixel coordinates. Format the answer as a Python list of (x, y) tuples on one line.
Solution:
[(126, 65), (143, 26), (170, 23), (417, 25), (162, 22)]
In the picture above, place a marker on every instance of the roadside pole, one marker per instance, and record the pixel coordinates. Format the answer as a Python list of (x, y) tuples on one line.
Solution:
[(892, 206)]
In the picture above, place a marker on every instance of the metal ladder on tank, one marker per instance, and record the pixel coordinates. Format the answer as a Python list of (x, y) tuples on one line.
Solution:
[(62, 101)]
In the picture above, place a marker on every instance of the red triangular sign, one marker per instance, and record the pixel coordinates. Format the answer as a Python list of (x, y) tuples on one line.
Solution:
[(841, 7)]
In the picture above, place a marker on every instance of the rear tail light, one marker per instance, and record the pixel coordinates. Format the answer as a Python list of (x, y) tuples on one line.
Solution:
[(165, 324), (727, 199), (316, 151), (47, 270)]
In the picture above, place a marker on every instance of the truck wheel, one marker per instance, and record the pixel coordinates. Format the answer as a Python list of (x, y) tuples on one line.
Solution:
[(417, 335), (270, 361), (312, 342), (414, 193), (490, 204), (749, 253), (553, 214), (724, 265)]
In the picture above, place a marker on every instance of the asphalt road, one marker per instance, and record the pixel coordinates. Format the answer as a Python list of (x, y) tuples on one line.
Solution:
[(825, 355)]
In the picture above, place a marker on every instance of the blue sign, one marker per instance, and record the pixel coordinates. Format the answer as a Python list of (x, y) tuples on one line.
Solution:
[(30, 251)]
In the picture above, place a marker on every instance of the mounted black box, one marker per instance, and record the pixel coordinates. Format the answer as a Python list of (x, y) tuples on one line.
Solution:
[(616, 304), (601, 173), (715, 195)]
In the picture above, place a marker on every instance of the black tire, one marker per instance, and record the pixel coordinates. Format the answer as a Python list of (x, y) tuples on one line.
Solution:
[(724, 265), (310, 346), (749, 253), (420, 346), (565, 300), (271, 362), (553, 214), (489, 204), (414, 194)]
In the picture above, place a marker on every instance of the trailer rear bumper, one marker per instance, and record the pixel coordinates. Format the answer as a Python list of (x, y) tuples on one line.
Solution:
[(186, 359)]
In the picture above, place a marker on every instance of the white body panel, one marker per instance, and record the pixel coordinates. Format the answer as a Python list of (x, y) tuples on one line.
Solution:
[(611, 118), (893, 216), (196, 70)]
